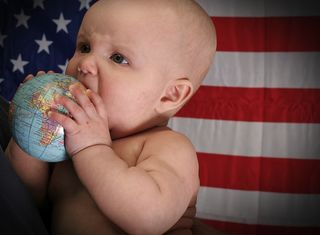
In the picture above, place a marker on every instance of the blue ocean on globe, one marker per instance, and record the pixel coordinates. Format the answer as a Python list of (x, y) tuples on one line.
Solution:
[(31, 128)]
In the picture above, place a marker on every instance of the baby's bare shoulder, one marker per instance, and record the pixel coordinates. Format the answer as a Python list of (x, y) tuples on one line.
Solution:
[(172, 160), (165, 140), (164, 147)]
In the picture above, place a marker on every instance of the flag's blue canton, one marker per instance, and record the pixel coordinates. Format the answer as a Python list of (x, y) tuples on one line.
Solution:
[(36, 35)]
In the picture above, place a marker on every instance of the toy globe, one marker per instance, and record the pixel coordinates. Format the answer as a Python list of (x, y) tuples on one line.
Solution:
[(31, 128)]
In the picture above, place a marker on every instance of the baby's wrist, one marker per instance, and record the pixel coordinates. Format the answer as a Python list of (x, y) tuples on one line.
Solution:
[(89, 148)]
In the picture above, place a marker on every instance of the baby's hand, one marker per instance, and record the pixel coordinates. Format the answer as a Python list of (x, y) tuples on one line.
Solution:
[(87, 124), (30, 76)]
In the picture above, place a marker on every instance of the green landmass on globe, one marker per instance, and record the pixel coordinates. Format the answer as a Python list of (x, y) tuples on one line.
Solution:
[(31, 128)]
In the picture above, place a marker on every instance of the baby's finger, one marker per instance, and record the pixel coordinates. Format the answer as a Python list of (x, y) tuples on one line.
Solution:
[(65, 121), (98, 103), (75, 111), (41, 73), (83, 100), (28, 77), (51, 72)]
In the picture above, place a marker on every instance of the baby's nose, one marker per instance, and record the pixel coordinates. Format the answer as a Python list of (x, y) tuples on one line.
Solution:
[(88, 66)]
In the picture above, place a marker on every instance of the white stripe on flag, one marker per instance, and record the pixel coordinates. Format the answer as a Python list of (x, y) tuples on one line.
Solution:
[(271, 70), (253, 207), (258, 8), (280, 140)]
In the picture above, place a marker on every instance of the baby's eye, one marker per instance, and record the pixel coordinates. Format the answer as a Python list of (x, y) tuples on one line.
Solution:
[(84, 48), (118, 58)]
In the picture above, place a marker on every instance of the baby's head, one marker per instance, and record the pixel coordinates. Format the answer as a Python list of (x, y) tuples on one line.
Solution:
[(145, 58)]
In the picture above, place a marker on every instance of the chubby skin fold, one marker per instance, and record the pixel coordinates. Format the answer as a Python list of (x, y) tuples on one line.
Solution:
[(140, 61)]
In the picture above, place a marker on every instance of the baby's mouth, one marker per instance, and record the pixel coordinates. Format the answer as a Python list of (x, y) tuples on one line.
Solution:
[(82, 82)]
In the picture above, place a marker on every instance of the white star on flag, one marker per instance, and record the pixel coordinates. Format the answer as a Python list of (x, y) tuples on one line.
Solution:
[(22, 19), (2, 37), (63, 67), (84, 4), (18, 64), (48, 28), (38, 3), (44, 44), (61, 23)]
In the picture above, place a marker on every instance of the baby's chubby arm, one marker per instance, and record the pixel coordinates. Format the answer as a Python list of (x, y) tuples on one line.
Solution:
[(33, 172), (150, 197), (145, 199)]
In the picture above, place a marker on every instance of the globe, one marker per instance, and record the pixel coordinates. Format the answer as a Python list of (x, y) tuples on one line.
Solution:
[(31, 128)]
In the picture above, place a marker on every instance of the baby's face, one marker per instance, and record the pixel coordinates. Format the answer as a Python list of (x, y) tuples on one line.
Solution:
[(124, 54)]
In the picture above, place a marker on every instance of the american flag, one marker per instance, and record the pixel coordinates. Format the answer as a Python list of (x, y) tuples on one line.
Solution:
[(255, 121)]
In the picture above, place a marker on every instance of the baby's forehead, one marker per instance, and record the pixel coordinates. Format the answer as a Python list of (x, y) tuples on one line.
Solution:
[(132, 17), (137, 14), (165, 8)]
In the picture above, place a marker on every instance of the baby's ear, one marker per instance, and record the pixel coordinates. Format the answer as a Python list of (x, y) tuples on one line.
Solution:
[(175, 95)]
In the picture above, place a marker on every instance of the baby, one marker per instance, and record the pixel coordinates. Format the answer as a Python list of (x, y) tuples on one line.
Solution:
[(140, 61)]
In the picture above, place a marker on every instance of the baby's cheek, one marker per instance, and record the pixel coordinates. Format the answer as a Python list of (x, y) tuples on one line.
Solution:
[(71, 69)]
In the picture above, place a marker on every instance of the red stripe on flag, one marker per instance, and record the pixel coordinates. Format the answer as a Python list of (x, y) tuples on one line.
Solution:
[(260, 173), (268, 33), (254, 104), (252, 229)]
